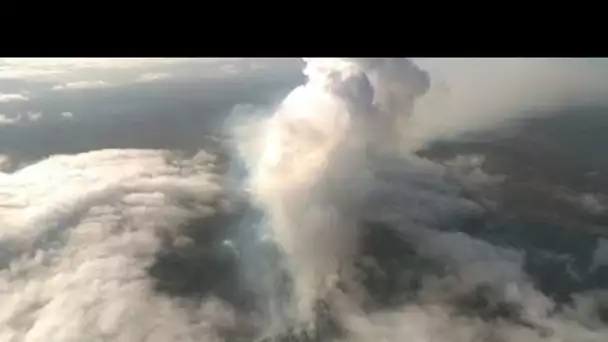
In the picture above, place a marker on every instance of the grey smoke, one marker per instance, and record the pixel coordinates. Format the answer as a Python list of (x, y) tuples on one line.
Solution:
[(327, 118)]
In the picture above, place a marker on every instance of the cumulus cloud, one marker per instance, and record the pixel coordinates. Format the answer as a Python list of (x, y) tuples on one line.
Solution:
[(82, 85), (12, 97), (67, 115), (74, 261)]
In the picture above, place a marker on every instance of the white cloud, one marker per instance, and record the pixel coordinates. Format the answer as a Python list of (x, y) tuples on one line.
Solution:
[(82, 85), (5, 120), (151, 77), (34, 116), (76, 256), (113, 70), (586, 305), (593, 204), (467, 264), (468, 170), (55, 68), (90, 224), (414, 202), (29, 116), (478, 260), (12, 97), (67, 115)]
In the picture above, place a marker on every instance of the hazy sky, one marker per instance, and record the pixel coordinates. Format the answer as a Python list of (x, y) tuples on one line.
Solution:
[(71, 105)]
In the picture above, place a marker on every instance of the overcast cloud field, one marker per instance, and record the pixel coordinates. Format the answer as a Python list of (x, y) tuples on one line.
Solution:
[(443, 200)]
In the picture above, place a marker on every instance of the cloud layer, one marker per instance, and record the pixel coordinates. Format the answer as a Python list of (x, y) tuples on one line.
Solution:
[(74, 258)]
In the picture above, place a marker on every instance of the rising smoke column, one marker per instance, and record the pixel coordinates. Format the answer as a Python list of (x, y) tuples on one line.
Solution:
[(314, 169)]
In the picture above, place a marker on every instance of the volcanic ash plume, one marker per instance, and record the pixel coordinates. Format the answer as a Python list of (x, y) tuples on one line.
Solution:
[(315, 167)]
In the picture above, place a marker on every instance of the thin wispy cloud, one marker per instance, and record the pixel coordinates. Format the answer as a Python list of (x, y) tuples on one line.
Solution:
[(114, 70), (592, 204), (34, 116), (151, 77), (82, 85), (5, 120), (31, 116), (57, 68), (12, 97)]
